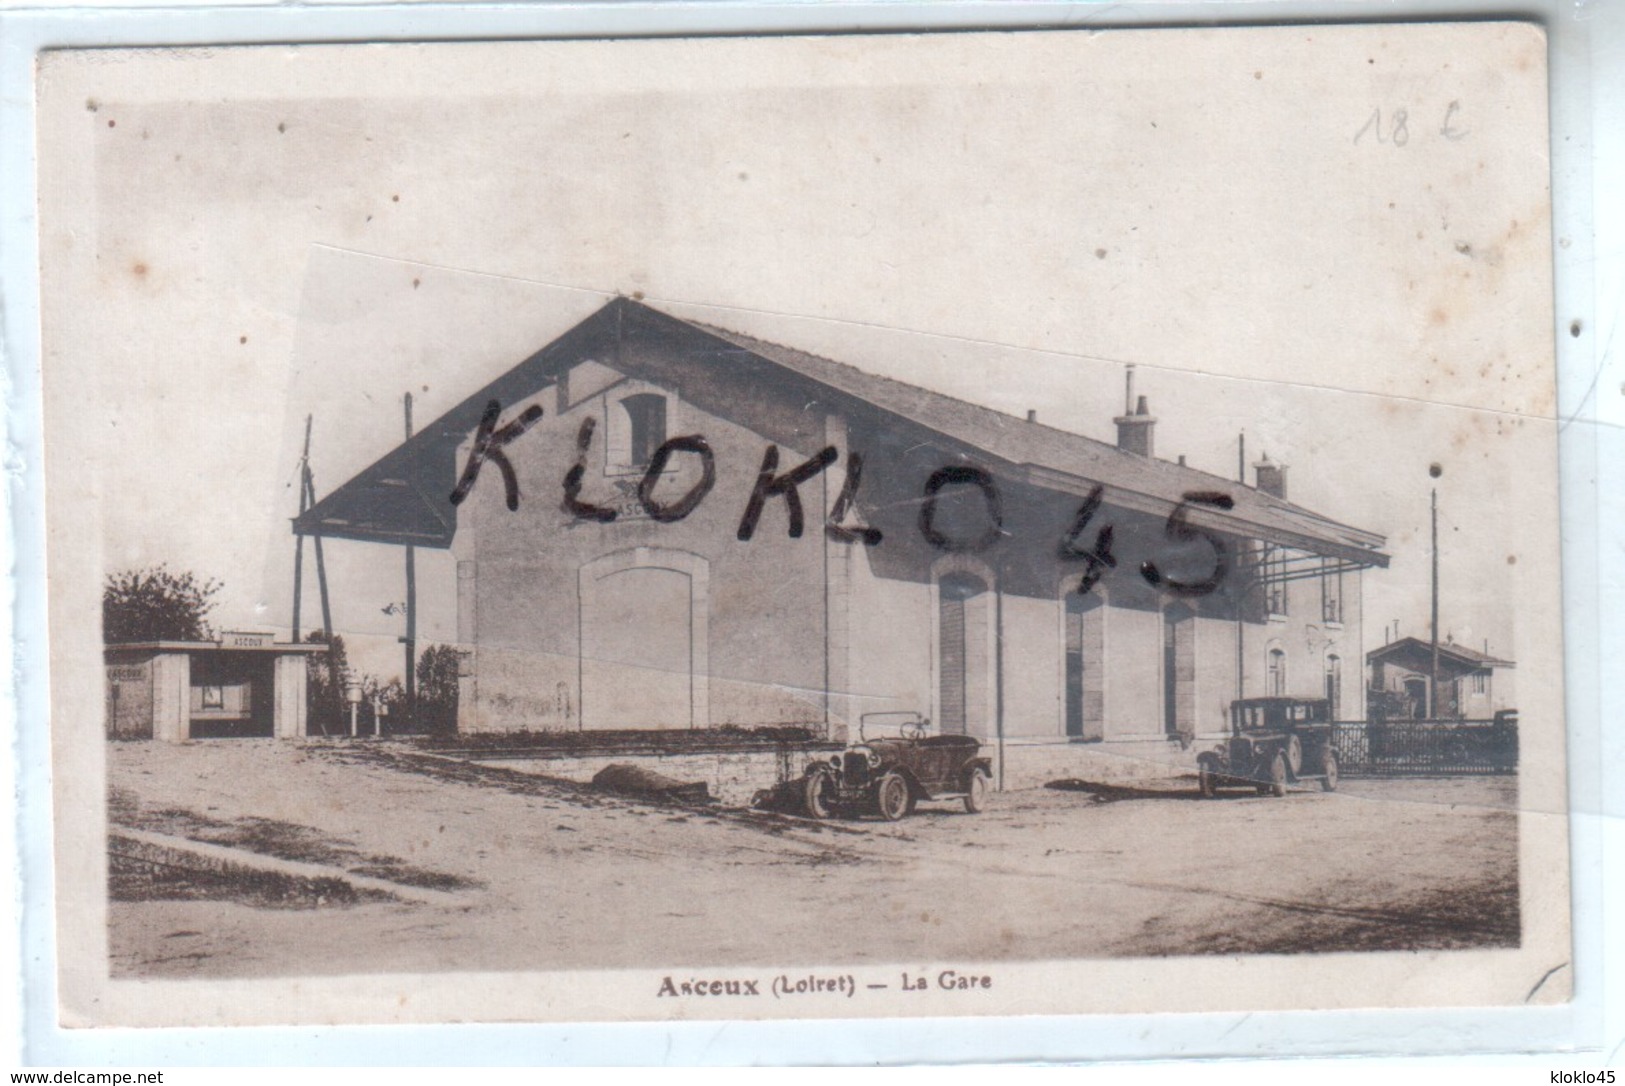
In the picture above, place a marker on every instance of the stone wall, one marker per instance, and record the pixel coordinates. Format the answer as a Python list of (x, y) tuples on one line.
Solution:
[(733, 777), (1033, 765)]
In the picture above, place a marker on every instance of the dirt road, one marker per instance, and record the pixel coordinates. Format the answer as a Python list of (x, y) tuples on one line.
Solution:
[(544, 875)]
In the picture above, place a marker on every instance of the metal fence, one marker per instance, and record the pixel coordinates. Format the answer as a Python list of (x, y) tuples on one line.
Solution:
[(1391, 748)]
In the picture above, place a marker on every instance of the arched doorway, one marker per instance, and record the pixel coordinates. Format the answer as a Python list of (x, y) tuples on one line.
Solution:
[(1084, 670), (643, 641), (1416, 692), (1334, 684), (1179, 671), (963, 658)]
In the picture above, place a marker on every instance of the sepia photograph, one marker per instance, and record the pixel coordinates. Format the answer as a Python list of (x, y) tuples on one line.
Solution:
[(915, 524)]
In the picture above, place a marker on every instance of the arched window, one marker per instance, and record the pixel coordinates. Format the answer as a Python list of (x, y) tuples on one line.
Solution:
[(645, 426), (1275, 675), (1334, 683)]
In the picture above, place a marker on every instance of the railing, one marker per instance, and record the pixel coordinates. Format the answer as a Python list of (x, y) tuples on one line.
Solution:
[(1389, 748)]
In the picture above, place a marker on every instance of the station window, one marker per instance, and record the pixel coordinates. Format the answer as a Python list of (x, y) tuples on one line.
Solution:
[(1331, 596), (1276, 673), (645, 426), (1275, 580)]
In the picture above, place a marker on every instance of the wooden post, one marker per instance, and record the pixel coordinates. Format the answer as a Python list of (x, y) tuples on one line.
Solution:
[(321, 564), (1433, 683), (1246, 584), (299, 539), (411, 611)]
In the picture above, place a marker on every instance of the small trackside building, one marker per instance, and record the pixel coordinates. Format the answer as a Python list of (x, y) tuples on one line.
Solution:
[(706, 529), (243, 685), (1402, 670)]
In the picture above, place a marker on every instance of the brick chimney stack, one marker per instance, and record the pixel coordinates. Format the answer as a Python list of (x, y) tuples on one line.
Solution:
[(1271, 477), (1135, 432)]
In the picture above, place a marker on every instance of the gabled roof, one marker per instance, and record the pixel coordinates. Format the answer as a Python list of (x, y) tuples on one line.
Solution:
[(405, 496), (1458, 655)]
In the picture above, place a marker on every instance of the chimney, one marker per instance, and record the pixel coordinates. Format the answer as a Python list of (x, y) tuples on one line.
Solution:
[(1271, 477), (1032, 416), (1134, 432)]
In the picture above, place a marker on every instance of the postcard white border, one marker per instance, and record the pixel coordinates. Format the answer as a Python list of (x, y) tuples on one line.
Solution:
[(1592, 525)]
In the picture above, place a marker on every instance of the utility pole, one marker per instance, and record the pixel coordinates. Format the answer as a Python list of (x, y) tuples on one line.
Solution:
[(1433, 685), (411, 609), (299, 540), (321, 564), (1245, 580), (307, 499)]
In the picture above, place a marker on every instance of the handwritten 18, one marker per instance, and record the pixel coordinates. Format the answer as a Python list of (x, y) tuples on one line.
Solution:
[(1398, 129)]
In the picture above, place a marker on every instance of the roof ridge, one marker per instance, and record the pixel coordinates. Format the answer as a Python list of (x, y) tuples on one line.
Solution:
[(731, 334), (1455, 648), (1167, 466)]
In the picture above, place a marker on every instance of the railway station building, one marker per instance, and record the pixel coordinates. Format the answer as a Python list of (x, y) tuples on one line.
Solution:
[(708, 529)]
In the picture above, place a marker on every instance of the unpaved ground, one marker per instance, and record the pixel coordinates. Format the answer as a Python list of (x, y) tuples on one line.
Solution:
[(550, 875)]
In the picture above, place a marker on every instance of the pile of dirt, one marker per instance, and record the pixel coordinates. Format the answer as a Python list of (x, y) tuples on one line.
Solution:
[(631, 780)]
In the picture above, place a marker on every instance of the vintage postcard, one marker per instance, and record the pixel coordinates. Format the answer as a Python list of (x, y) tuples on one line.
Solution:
[(964, 524)]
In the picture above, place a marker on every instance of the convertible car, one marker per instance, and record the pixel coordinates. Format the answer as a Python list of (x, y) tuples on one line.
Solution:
[(897, 763)]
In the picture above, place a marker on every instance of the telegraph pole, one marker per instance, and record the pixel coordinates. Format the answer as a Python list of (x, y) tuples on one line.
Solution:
[(307, 501), (299, 540), (1245, 581), (1433, 685), (411, 608)]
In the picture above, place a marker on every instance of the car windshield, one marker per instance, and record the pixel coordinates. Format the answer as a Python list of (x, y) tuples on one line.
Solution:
[(892, 725)]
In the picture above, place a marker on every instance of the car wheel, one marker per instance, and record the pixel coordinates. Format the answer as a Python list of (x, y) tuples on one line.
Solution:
[(1328, 783), (1205, 782), (976, 791), (892, 800), (1277, 786), (818, 795), (1294, 756)]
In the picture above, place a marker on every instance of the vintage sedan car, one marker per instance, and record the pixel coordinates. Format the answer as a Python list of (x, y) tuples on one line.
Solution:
[(897, 763), (1274, 742)]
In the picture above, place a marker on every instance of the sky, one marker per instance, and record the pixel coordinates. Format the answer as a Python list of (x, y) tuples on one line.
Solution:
[(236, 239)]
